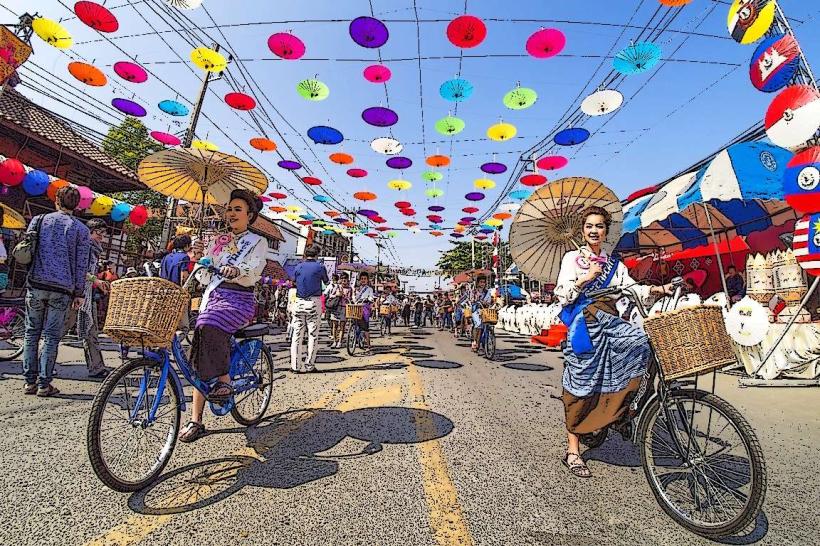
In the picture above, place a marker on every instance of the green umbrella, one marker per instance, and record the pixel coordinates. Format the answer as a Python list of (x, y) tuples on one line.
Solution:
[(434, 192), (432, 176), (450, 125), (520, 98), (391, 234), (313, 90)]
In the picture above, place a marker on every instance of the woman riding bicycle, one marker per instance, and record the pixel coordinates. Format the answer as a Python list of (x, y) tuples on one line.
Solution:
[(480, 297), (364, 295), (337, 299), (228, 303), (605, 356)]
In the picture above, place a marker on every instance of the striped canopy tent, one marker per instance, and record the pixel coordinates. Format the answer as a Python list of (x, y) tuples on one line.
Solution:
[(739, 192)]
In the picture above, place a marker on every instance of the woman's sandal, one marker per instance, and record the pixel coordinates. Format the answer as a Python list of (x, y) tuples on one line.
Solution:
[(192, 432), (576, 465), (220, 393)]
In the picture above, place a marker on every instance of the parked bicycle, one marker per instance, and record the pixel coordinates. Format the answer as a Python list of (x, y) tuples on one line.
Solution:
[(12, 328)]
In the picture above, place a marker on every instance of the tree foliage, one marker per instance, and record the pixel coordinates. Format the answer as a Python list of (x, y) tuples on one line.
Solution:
[(459, 258)]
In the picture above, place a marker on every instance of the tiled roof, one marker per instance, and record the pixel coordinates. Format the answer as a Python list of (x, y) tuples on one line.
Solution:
[(18, 110), (266, 228), (274, 269)]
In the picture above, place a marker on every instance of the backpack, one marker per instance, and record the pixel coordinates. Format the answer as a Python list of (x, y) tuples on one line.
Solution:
[(26, 249)]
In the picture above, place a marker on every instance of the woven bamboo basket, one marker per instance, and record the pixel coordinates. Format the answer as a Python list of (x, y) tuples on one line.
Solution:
[(384, 310), (690, 341), (354, 312), (489, 316), (145, 311), (468, 313)]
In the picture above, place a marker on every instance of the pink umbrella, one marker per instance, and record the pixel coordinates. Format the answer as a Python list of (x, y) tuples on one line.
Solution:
[(286, 45), (377, 73), (165, 138), (265, 199), (131, 72), (86, 197), (552, 162), (546, 43)]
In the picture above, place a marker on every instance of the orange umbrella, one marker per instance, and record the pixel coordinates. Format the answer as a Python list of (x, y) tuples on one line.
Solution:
[(55, 185), (277, 208), (263, 144), (87, 73), (436, 233), (364, 196), (341, 158), (502, 215), (438, 160), (331, 213)]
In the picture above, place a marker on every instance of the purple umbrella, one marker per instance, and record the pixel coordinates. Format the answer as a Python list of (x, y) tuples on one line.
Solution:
[(379, 116), (474, 196), (129, 107), (368, 32), (468, 219), (494, 168), (290, 165), (455, 235), (399, 162), (463, 222), (368, 213), (435, 208), (341, 220)]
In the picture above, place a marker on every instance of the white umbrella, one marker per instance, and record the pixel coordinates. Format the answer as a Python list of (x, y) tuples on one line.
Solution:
[(602, 102)]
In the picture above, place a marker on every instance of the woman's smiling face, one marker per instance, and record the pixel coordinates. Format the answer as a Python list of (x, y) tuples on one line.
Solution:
[(237, 215), (594, 229)]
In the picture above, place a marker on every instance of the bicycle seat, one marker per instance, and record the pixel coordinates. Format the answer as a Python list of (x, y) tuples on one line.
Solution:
[(254, 330)]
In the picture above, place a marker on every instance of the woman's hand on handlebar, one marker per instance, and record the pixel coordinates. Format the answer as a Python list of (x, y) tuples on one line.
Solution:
[(229, 271)]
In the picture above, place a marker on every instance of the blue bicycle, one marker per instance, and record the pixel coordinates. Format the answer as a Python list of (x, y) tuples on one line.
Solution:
[(486, 339), (135, 417)]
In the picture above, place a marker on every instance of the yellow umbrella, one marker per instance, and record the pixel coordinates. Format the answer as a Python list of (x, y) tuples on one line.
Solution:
[(12, 219), (52, 32), (494, 222), (204, 145), (291, 216), (294, 208), (209, 59), (501, 131), (399, 185), (484, 184)]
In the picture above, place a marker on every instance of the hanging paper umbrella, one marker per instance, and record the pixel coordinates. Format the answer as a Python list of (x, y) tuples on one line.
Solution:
[(184, 4), (368, 32), (546, 43), (278, 209), (402, 204), (173, 108), (774, 63), (294, 208), (408, 212), (96, 16), (313, 89), (87, 73), (519, 195), (263, 144), (602, 102), (368, 213), (286, 46), (52, 32), (289, 164), (435, 208), (486, 229), (165, 138), (399, 162), (130, 72), (571, 136), (204, 145), (386, 146), (436, 233), (341, 158), (533, 180), (801, 181), (36, 182), (494, 167), (433, 193), (321, 198), (483, 184), (377, 73), (456, 90), (450, 125), (129, 107), (435, 218), (399, 185), (86, 197), (552, 162), (265, 199), (466, 31), (322, 134), (467, 220), (278, 195), (120, 212), (637, 58), (208, 59), (364, 196), (793, 116), (749, 20), (470, 210), (494, 222), (55, 186), (438, 160), (311, 181), (356, 173), (474, 196), (510, 207), (331, 213), (502, 216), (382, 228), (240, 101), (501, 132), (432, 176), (456, 235), (379, 116), (481, 237), (520, 98)]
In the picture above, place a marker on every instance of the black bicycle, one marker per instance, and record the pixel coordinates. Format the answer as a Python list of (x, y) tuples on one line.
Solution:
[(12, 328)]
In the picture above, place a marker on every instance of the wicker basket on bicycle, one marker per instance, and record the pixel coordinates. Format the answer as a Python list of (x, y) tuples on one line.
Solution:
[(384, 310), (354, 311), (468, 313), (145, 311), (489, 316), (690, 341)]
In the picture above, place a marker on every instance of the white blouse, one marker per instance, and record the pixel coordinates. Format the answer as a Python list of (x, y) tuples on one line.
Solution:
[(250, 265), (573, 268)]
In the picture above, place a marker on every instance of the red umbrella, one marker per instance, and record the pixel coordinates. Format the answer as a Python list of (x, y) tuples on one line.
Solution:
[(552, 162), (470, 210), (240, 101), (402, 204), (466, 31), (278, 195), (312, 181), (357, 173), (533, 180), (382, 228), (378, 220), (377, 73), (96, 16)]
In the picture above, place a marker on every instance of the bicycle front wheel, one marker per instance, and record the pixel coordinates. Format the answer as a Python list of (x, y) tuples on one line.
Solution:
[(352, 338), (703, 462), (12, 333), (127, 446), (490, 348)]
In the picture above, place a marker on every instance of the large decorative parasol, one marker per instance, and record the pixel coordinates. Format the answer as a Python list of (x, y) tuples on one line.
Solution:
[(548, 224), (11, 218)]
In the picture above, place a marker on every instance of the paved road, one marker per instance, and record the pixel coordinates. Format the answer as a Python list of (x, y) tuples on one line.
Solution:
[(422, 443)]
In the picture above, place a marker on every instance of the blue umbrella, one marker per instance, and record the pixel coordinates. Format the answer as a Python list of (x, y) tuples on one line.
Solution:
[(520, 195), (571, 137), (173, 108), (322, 134), (321, 198), (637, 58), (456, 90)]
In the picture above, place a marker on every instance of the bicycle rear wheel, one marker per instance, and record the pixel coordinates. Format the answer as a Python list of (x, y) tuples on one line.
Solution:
[(490, 343), (250, 406), (127, 449), (703, 462), (352, 338), (12, 333)]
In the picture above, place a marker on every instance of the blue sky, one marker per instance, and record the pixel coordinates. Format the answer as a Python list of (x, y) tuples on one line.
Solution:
[(687, 107)]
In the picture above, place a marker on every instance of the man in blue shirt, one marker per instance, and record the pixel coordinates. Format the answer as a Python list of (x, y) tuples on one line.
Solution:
[(306, 315), (55, 282), (174, 266)]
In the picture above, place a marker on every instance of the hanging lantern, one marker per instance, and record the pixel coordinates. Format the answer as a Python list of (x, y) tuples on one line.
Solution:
[(35, 182), (120, 212), (12, 172), (54, 187), (101, 206), (138, 215)]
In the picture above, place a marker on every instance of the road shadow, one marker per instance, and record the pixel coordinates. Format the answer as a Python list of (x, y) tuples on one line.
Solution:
[(373, 367), (527, 367), (437, 364), (291, 450), (756, 531), (414, 354), (615, 451)]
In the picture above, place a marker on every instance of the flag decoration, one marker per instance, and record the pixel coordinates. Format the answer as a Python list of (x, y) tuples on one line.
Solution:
[(807, 243), (801, 181), (774, 63)]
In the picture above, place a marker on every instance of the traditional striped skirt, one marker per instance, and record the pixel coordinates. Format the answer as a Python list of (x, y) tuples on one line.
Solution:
[(226, 312)]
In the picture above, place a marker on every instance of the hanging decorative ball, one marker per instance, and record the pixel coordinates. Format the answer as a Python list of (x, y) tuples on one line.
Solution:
[(12, 172), (55, 186), (466, 31), (120, 212), (36, 182), (138, 215), (240, 101)]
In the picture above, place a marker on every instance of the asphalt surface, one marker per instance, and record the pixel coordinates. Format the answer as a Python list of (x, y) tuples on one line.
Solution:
[(421, 443)]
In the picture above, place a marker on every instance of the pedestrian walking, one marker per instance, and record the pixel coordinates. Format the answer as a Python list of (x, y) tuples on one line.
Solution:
[(406, 309), (337, 299), (55, 283), (428, 311), (309, 276), (418, 312), (87, 326), (364, 295)]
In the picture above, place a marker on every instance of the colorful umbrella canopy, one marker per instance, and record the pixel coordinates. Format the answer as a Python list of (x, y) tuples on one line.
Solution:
[(493, 167), (501, 132), (368, 32), (552, 162), (130, 72), (571, 136), (510, 207), (129, 107), (433, 193), (438, 160), (12, 219), (474, 196), (323, 134), (289, 164), (793, 116), (637, 58), (399, 185), (356, 173), (278, 195), (435, 208), (386, 146), (774, 63), (431, 176), (402, 204), (341, 158), (399, 162), (470, 210), (87, 73), (520, 194), (450, 125), (240, 101), (311, 181), (313, 90), (208, 59), (466, 31), (520, 98), (52, 33), (173, 108), (546, 43), (456, 90), (364, 196), (602, 102), (263, 144), (483, 184), (379, 116), (502, 216), (533, 180), (204, 145), (199, 175), (286, 46), (748, 21), (96, 16), (165, 138), (377, 73)]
